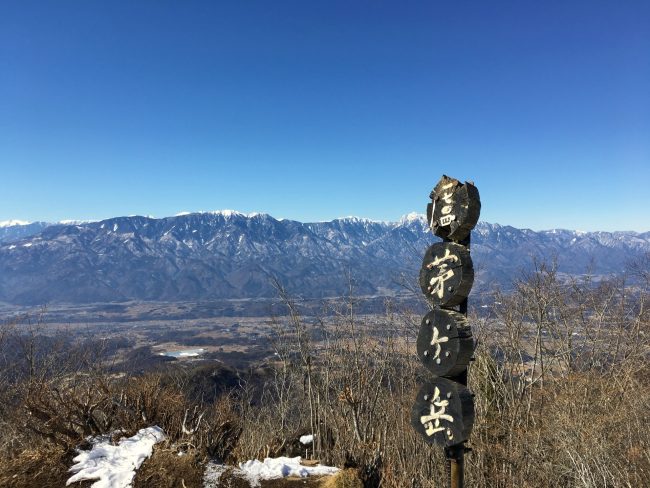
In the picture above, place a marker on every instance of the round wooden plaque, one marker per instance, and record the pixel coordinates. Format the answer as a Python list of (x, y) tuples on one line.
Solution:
[(443, 412), (445, 343), (447, 274), (454, 209)]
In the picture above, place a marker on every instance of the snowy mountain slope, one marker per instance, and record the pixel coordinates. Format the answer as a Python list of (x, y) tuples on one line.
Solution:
[(232, 255), (11, 230)]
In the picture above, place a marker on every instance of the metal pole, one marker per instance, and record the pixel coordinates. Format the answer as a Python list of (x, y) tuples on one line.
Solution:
[(455, 465), (457, 479)]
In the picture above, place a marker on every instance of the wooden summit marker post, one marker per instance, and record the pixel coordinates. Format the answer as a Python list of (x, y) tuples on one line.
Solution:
[(443, 412)]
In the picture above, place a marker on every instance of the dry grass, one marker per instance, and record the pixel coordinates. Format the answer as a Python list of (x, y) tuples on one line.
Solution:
[(166, 469), (561, 379), (43, 465), (346, 478)]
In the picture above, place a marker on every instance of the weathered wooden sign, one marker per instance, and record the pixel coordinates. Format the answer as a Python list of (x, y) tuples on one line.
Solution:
[(454, 209), (443, 413), (447, 274), (445, 345)]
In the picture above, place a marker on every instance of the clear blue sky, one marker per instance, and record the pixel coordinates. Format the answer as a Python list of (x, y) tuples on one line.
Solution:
[(313, 110)]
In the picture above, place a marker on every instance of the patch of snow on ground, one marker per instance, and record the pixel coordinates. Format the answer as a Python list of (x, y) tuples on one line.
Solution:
[(282, 467), (114, 466), (213, 473), (307, 439), (186, 353)]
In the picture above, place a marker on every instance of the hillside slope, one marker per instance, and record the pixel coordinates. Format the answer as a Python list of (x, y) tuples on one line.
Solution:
[(232, 255)]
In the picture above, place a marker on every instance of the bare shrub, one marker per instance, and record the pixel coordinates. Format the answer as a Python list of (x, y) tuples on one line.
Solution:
[(55, 397), (560, 375)]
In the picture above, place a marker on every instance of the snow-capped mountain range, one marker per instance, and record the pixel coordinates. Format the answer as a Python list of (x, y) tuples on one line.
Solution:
[(227, 254)]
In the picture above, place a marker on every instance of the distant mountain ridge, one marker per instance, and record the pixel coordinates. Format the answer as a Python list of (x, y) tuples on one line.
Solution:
[(12, 230), (227, 254)]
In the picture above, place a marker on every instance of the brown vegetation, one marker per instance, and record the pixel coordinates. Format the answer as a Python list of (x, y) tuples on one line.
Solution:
[(561, 377), (561, 380)]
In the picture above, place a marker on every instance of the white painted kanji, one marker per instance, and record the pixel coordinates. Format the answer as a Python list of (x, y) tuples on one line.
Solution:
[(447, 206), (437, 413), (437, 283), (436, 340)]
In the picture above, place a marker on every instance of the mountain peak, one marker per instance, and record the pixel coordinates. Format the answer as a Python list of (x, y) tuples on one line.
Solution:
[(413, 217), (226, 213), (354, 219), (75, 222), (12, 223)]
